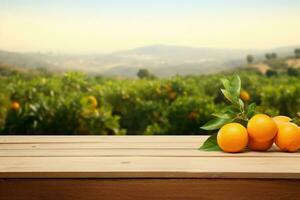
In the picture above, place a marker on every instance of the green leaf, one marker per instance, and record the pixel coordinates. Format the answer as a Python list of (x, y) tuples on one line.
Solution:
[(241, 104), (228, 96), (236, 84), (216, 123), (230, 110), (33, 107), (225, 83), (251, 110), (223, 115), (210, 144), (232, 89)]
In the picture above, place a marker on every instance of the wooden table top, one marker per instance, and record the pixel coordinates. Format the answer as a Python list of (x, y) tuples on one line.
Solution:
[(136, 157)]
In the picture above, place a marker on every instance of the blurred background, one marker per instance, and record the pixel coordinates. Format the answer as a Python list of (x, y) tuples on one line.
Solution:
[(142, 67)]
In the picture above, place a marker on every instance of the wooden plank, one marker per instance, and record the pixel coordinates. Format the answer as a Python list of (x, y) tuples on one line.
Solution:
[(137, 146), (148, 189), (136, 156), (151, 167), (99, 139), (140, 152), (123, 145)]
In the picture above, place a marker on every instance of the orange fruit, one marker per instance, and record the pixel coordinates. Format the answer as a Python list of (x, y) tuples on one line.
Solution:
[(93, 101), (232, 137), (259, 146), (172, 95), (15, 105), (244, 95), (192, 115), (288, 137), (90, 101), (281, 119), (261, 128)]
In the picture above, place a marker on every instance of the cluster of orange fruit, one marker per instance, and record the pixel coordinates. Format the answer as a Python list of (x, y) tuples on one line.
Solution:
[(261, 132)]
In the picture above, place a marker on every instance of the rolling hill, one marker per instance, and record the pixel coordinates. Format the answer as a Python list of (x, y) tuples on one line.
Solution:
[(161, 60)]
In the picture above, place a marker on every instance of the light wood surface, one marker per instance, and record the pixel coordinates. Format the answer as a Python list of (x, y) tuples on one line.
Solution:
[(136, 157), (98, 139)]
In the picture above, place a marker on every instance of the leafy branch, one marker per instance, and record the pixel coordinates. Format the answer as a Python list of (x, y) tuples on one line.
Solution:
[(237, 111)]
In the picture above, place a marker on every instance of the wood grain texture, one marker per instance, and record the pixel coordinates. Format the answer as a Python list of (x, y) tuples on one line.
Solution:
[(106, 145), (134, 153), (99, 139), (148, 189), (135, 157), (132, 167)]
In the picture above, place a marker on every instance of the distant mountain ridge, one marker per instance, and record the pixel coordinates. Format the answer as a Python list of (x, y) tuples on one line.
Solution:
[(162, 60)]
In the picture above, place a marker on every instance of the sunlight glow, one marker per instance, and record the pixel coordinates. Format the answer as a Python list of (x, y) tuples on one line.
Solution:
[(98, 26)]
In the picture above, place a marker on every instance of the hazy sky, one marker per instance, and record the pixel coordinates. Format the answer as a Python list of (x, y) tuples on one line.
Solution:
[(96, 26)]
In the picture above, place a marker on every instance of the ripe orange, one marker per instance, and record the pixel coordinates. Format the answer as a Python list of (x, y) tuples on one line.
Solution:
[(172, 95), (244, 95), (232, 137), (192, 115), (261, 128), (288, 137), (281, 119), (92, 101), (259, 146), (15, 105)]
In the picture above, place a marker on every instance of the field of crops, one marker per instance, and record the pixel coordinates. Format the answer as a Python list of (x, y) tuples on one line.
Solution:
[(74, 103)]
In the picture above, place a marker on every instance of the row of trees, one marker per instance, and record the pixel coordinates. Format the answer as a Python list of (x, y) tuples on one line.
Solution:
[(290, 72), (269, 56), (145, 74), (297, 53), (177, 105)]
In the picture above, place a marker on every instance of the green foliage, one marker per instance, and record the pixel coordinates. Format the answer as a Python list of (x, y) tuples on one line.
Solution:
[(250, 59), (270, 56), (273, 55), (271, 72), (297, 53), (218, 122), (54, 106), (210, 144), (237, 111), (282, 99), (62, 104), (145, 74), (293, 71)]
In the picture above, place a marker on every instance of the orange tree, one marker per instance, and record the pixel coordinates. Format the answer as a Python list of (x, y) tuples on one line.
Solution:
[(75, 103), (55, 106)]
